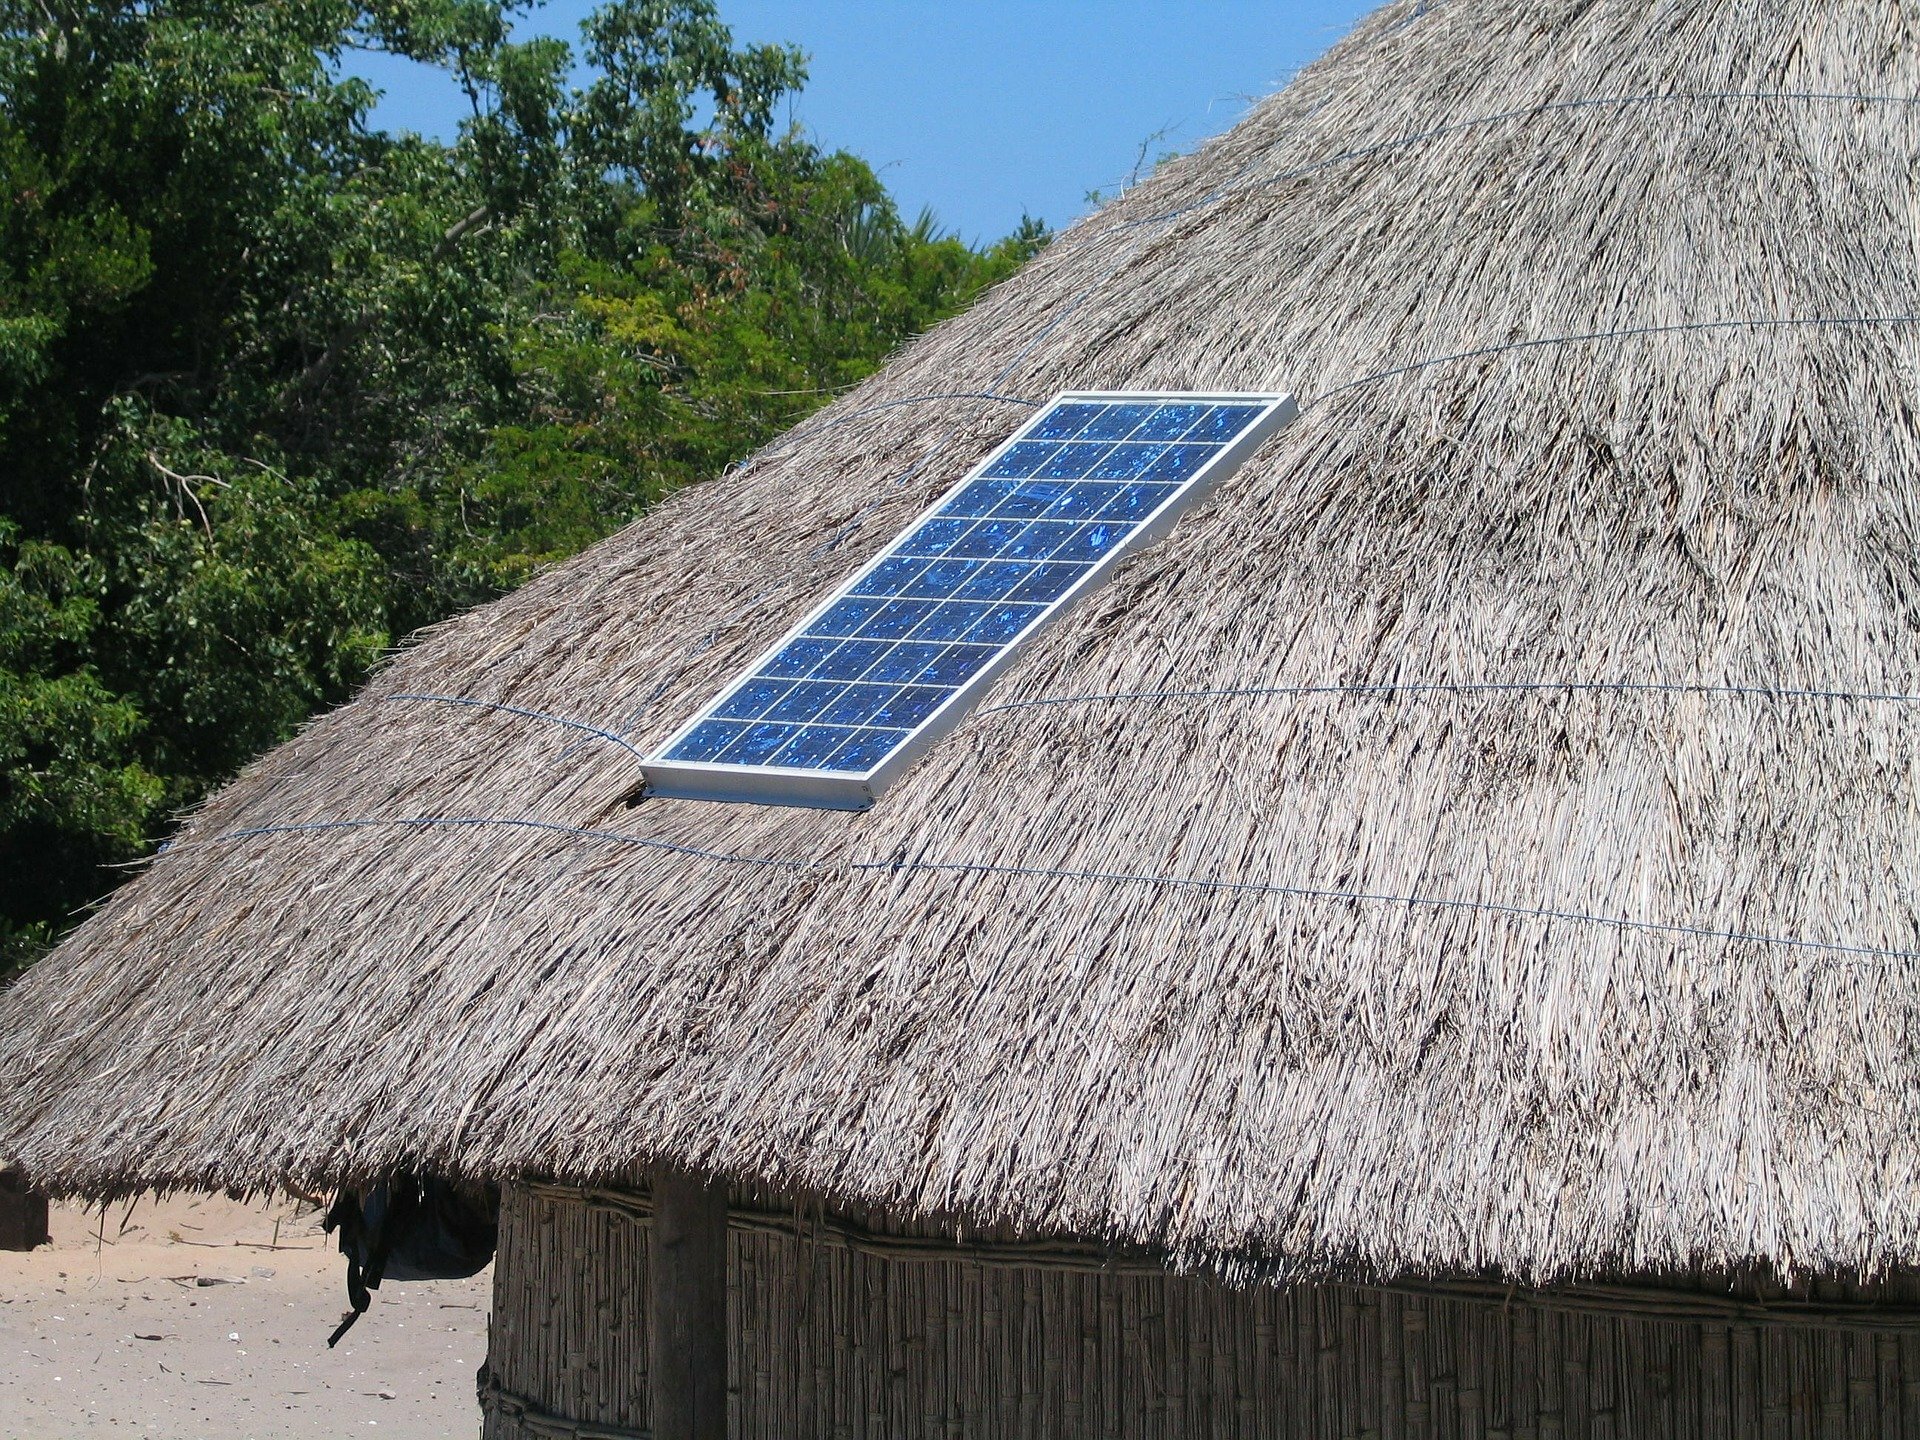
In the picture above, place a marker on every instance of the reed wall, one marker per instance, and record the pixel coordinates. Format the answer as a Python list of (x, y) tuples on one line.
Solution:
[(832, 1340)]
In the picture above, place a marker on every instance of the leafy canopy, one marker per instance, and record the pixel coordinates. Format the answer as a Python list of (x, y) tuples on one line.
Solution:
[(278, 386)]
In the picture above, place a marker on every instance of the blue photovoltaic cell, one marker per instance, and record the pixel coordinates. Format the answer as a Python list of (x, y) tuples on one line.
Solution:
[(962, 584)]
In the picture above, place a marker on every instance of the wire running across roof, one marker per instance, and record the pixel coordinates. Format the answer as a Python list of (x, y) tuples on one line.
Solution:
[(892, 659)]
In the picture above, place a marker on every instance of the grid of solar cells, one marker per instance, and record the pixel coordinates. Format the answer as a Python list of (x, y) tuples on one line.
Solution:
[(964, 583)]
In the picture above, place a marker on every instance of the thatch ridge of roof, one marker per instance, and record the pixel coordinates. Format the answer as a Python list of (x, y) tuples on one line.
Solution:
[(1481, 837)]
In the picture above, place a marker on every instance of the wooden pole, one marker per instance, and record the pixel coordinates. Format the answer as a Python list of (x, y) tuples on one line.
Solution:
[(688, 1323)]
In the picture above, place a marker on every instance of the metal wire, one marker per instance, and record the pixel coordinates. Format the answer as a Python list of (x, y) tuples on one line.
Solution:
[(475, 822), (1529, 112), (1627, 332), (1766, 692), (1103, 877), (829, 421), (521, 710)]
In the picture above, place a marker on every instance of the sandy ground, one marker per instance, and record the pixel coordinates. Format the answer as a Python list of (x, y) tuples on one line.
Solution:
[(198, 1318)]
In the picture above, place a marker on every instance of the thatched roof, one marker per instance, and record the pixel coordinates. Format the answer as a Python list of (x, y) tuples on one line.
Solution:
[(1481, 838)]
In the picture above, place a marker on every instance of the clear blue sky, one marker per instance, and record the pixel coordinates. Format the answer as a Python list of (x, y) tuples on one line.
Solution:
[(984, 108)]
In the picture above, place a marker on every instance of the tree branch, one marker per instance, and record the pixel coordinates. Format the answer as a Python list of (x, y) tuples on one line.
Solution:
[(186, 484)]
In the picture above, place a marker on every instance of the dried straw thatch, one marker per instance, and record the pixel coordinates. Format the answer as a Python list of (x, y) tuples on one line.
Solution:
[(1481, 839)]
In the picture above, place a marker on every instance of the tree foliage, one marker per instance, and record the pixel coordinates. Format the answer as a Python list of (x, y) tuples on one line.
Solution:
[(278, 386)]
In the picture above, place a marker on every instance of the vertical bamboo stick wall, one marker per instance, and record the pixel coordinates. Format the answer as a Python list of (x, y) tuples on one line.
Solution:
[(827, 1341)]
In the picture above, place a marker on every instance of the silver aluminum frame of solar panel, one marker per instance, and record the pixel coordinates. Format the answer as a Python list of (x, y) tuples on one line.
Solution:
[(847, 790)]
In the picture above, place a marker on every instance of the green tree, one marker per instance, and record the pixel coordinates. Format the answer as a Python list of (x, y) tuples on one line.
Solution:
[(277, 386)]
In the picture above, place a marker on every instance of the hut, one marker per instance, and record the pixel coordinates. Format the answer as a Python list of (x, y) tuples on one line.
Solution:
[(1429, 949)]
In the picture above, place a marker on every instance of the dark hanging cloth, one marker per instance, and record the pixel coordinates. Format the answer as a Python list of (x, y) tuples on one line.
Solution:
[(411, 1228)]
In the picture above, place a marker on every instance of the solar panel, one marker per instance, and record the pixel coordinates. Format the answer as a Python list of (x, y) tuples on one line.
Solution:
[(892, 659)]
